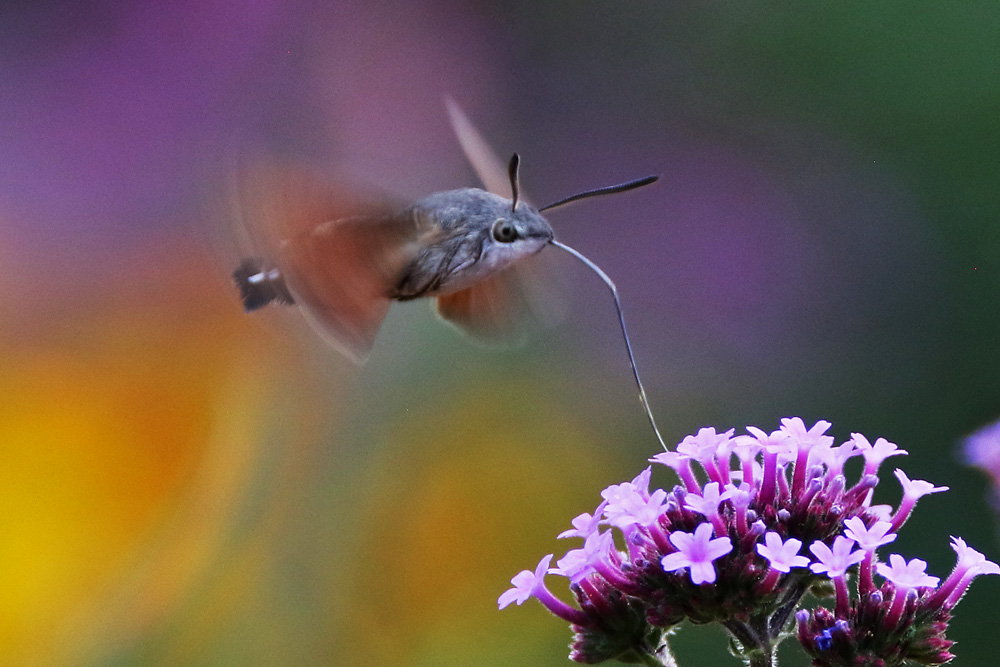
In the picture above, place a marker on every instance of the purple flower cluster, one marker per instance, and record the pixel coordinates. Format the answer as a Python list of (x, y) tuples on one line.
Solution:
[(726, 546), (982, 450)]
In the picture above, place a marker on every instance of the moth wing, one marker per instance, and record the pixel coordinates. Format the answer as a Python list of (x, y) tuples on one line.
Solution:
[(339, 248), (490, 169), (502, 307), (342, 273)]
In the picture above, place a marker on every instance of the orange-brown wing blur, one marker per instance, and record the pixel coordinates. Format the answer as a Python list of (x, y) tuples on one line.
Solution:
[(496, 310), (340, 249), (342, 273)]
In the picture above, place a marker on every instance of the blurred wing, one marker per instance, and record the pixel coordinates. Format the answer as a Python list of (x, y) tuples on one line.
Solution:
[(340, 250), (490, 169), (342, 274), (500, 308)]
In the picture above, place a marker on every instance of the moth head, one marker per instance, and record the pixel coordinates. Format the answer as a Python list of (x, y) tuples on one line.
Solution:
[(524, 226)]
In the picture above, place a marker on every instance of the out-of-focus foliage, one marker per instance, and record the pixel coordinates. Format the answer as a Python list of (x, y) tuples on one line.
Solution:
[(185, 484)]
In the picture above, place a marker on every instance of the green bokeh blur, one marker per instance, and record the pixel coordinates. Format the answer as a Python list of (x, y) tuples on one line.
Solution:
[(188, 485)]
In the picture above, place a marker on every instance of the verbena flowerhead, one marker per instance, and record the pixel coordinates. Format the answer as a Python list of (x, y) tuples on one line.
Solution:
[(757, 521), (982, 450)]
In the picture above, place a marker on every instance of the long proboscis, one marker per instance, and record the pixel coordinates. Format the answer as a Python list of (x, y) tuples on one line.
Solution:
[(621, 319), (607, 190)]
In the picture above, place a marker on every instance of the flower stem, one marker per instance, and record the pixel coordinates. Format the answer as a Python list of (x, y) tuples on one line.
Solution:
[(664, 657), (761, 659), (659, 657), (758, 651)]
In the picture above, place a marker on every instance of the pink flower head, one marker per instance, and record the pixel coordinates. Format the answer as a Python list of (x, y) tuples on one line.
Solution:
[(793, 490)]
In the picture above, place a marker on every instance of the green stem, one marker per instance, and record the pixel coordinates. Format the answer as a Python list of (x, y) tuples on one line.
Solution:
[(761, 659), (757, 649), (665, 657), (658, 657)]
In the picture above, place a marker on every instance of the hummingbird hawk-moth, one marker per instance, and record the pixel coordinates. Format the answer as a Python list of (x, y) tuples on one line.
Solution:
[(343, 258)]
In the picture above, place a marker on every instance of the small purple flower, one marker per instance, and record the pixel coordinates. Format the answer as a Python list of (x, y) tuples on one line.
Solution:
[(696, 551), (783, 556), (707, 448), (813, 436), (971, 564), (708, 504), (705, 444), (809, 443), (585, 524), (869, 539), (580, 563), (834, 562), (746, 450), (906, 575), (778, 442), (971, 559), (913, 490), (836, 457), (526, 583), (628, 506), (774, 446), (877, 453), (532, 584)]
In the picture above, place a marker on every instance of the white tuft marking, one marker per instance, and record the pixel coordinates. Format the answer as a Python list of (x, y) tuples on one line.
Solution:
[(271, 274)]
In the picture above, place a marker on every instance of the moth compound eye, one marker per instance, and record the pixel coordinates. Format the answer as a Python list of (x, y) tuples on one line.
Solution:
[(504, 231)]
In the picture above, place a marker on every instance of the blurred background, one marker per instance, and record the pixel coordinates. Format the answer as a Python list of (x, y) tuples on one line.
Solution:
[(185, 484)]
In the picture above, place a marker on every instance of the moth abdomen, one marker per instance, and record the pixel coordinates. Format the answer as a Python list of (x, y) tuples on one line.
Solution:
[(260, 285)]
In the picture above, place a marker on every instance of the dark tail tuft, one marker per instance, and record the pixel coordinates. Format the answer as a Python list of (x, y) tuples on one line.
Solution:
[(259, 285)]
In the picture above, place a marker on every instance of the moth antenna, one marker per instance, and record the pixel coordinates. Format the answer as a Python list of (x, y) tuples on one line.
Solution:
[(621, 319), (512, 167), (606, 190)]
